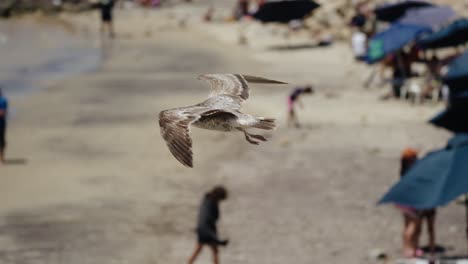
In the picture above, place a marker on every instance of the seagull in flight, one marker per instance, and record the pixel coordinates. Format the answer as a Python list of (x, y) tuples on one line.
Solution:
[(220, 112)]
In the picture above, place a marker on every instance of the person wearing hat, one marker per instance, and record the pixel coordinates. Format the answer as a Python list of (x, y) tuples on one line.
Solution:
[(3, 123)]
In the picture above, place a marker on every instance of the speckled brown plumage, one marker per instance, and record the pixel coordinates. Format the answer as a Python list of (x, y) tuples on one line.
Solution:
[(221, 112)]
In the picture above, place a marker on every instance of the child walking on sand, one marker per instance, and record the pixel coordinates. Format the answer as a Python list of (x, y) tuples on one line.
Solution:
[(292, 99), (207, 218)]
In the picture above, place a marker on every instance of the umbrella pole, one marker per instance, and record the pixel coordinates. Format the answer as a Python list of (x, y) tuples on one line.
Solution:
[(399, 58), (400, 63)]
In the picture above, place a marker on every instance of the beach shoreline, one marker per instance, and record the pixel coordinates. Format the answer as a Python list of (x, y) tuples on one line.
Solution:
[(58, 52)]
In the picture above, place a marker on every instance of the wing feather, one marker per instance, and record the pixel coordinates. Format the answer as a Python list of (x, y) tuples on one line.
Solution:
[(233, 84), (175, 129)]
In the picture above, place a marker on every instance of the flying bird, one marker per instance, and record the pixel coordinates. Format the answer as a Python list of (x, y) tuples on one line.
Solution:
[(220, 112)]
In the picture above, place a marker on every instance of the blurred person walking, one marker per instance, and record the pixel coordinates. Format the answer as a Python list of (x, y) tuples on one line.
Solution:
[(412, 221), (400, 62), (106, 7), (414, 218), (3, 124), (400, 73), (292, 100), (206, 229)]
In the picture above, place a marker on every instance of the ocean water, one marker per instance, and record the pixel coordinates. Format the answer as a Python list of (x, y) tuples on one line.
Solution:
[(32, 52)]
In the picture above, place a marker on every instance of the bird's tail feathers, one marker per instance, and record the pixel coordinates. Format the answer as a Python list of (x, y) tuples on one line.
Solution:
[(255, 79), (265, 123)]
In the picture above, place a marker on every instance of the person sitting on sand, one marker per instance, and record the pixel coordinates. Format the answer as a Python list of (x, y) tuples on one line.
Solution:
[(207, 218), (292, 99), (3, 121)]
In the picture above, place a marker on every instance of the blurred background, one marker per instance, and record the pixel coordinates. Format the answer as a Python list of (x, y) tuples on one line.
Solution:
[(87, 178)]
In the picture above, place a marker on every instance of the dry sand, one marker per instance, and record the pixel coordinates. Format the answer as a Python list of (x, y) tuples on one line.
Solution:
[(99, 185)]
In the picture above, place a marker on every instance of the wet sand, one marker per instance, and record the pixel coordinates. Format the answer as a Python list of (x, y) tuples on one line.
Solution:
[(37, 50), (90, 180)]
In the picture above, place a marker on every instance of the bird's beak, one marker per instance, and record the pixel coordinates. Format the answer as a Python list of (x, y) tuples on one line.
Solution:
[(200, 77)]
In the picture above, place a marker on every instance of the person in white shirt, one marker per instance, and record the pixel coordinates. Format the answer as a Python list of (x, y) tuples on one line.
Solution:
[(359, 44)]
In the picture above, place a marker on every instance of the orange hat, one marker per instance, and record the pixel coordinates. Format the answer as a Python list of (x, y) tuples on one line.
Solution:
[(410, 153)]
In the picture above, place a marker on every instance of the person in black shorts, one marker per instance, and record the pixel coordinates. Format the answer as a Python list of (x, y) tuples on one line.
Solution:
[(3, 123), (106, 7), (206, 229)]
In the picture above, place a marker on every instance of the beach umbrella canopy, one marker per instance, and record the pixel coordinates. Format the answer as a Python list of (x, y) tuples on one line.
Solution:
[(285, 11), (393, 39), (394, 11), (436, 179), (450, 36), (432, 16), (455, 117), (457, 75)]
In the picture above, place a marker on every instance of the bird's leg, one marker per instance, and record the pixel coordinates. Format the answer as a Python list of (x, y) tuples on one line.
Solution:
[(259, 137), (247, 137)]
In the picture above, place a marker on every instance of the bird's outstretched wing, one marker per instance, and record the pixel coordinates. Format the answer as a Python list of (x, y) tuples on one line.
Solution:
[(233, 84), (227, 102), (175, 129)]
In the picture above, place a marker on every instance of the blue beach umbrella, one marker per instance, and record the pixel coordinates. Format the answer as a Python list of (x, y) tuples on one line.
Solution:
[(394, 11), (457, 75), (436, 179), (450, 36), (432, 16), (393, 39), (455, 117)]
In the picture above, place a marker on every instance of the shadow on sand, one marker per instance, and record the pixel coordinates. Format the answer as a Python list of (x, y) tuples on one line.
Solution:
[(18, 161), (457, 257), (308, 126), (289, 47)]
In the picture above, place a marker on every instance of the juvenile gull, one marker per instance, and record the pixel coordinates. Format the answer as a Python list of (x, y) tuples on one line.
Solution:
[(220, 112)]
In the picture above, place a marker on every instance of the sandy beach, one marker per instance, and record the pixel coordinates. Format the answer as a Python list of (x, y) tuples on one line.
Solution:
[(90, 180)]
